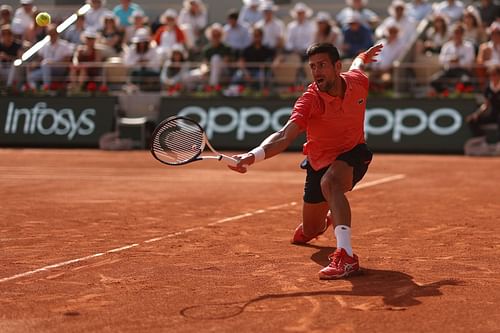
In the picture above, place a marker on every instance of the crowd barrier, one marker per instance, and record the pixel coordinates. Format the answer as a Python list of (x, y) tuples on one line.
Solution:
[(237, 123)]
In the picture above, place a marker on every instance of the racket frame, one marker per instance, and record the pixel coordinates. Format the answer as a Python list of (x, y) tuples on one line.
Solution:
[(218, 156)]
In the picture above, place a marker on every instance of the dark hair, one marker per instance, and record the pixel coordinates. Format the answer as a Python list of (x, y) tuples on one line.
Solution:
[(233, 14), (327, 48)]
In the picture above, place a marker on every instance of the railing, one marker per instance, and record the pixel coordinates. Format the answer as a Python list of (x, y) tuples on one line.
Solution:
[(278, 78)]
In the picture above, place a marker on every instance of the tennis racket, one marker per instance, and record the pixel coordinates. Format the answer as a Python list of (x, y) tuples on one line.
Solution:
[(180, 140)]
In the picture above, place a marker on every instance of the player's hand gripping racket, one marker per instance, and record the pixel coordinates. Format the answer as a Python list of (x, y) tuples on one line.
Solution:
[(180, 140)]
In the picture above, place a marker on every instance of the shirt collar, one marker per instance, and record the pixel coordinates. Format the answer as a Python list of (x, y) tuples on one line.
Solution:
[(329, 98)]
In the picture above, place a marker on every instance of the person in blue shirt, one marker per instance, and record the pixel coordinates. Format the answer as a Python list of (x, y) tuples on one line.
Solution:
[(124, 10), (357, 37)]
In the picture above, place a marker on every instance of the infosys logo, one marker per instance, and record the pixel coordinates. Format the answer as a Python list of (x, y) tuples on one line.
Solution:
[(43, 120)]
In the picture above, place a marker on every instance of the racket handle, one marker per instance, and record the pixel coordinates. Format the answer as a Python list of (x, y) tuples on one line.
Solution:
[(229, 160)]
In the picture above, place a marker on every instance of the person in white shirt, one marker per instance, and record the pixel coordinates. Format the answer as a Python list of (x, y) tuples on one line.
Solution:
[(23, 18), (56, 57), (407, 25), (138, 20), (94, 16), (327, 31), (176, 73), (419, 9), (380, 72), (367, 16), (457, 58), (250, 12), (489, 53), (143, 60), (272, 27), (194, 14), (301, 31), (393, 49), (193, 20), (453, 9)]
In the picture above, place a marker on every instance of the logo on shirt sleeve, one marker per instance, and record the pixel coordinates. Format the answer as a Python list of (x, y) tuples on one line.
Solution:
[(360, 101)]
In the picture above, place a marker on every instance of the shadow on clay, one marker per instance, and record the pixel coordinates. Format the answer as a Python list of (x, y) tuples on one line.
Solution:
[(397, 290)]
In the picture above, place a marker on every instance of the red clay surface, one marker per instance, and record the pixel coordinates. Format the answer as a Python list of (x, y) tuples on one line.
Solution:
[(116, 242)]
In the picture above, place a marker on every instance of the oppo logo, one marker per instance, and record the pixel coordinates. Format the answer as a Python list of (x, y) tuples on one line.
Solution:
[(397, 122), (46, 121), (378, 121)]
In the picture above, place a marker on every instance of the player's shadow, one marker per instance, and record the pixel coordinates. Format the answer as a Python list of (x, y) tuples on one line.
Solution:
[(397, 290)]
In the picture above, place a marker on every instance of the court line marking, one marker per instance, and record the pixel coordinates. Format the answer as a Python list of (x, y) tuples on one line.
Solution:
[(185, 231)]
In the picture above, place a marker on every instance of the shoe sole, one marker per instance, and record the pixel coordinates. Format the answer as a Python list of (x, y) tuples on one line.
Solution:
[(338, 277)]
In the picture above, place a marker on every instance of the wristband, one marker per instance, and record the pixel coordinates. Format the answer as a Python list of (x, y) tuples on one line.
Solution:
[(259, 153)]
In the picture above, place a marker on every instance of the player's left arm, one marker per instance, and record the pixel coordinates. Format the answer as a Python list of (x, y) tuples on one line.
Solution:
[(366, 57)]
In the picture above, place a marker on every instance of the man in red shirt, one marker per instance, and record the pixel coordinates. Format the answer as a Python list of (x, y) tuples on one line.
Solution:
[(332, 113)]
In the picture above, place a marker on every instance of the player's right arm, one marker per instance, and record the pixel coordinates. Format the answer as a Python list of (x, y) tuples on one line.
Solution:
[(271, 146)]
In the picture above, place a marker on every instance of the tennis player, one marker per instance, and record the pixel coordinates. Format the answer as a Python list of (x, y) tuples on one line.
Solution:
[(331, 112)]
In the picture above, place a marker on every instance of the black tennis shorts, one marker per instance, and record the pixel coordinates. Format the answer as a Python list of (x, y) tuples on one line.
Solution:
[(359, 158)]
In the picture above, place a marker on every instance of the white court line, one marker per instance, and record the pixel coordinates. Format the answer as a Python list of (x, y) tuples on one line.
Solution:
[(185, 231)]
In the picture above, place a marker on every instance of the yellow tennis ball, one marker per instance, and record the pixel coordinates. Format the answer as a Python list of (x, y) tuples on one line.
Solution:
[(42, 19)]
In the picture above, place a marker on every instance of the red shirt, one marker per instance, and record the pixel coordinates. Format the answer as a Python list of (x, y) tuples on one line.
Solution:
[(333, 125)]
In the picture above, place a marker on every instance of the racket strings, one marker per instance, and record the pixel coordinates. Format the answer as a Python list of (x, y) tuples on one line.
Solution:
[(178, 141)]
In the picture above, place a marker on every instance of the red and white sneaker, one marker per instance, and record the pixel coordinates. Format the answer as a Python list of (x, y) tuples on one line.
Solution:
[(342, 265), (300, 238)]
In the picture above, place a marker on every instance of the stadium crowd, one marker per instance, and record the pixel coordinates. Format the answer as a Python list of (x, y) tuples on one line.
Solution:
[(254, 47)]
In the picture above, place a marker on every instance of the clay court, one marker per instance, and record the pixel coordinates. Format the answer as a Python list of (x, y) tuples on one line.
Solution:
[(116, 242)]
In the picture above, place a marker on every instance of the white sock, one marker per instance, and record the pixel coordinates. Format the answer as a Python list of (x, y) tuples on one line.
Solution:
[(343, 235)]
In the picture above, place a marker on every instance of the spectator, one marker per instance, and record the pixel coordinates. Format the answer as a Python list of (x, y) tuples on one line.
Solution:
[(357, 37), (250, 12), (272, 27), (489, 53), (489, 11), (74, 32), (254, 61), (474, 31), (94, 16), (453, 9), (327, 30), (397, 15), (35, 32), (23, 19), (111, 36), (194, 14), (488, 112), (367, 16), (169, 33), (435, 36), (301, 31), (124, 11), (419, 10), (143, 60), (236, 34), (55, 59), (456, 59), (10, 50), (138, 20), (193, 20), (216, 55), (393, 50), (5, 15), (176, 73), (84, 69)]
